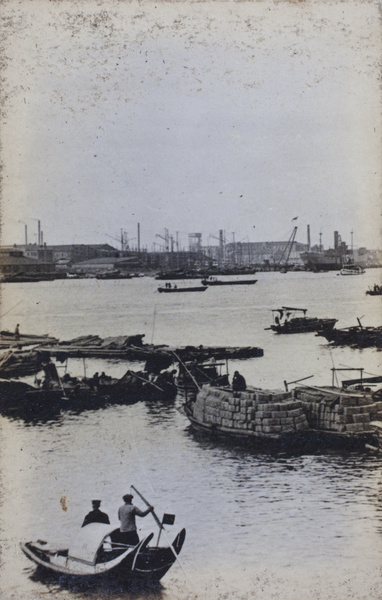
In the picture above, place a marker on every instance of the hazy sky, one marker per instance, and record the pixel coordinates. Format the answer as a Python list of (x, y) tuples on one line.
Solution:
[(191, 116)]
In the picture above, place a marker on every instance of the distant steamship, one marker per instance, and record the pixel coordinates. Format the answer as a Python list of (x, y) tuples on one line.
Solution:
[(332, 259)]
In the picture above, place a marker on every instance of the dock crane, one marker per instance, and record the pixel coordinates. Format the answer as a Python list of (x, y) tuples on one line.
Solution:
[(124, 240), (287, 250)]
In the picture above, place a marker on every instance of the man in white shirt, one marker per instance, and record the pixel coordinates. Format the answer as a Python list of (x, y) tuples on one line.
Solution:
[(126, 514)]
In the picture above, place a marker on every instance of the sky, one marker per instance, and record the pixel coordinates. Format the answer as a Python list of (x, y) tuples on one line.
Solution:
[(191, 117)]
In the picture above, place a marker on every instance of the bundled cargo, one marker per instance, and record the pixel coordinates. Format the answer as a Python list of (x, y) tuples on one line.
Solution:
[(325, 415), (255, 412), (339, 410)]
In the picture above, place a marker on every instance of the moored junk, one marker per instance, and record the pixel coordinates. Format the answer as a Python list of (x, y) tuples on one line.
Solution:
[(52, 393), (289, 320), (357, 336), (305, 416)]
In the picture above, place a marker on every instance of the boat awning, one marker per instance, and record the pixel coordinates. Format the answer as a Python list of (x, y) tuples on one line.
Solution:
[(89, 538)]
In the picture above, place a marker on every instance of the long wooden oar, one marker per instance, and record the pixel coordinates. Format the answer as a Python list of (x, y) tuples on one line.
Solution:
[(146, 381), (188, 371), (155, 516), (160, 525)]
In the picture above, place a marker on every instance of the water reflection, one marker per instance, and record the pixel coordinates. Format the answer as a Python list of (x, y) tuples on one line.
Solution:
[(260, 524), (97, 588)]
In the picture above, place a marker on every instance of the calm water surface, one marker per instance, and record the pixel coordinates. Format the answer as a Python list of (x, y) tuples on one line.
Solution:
[(259, 525)]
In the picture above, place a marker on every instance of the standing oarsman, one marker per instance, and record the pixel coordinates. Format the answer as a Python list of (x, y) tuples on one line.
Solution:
[(126, 515)]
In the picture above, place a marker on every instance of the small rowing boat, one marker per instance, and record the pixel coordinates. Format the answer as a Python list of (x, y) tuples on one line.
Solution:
[(376, 290), (96, 552), (352, 270)]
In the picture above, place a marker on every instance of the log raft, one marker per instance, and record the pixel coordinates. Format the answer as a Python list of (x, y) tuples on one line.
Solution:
[(132, 348)]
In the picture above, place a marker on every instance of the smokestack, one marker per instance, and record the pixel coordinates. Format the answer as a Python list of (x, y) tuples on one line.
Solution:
[(41, 238), (336, 240), (139, 237), (39, 233), (26, 235), (221, 246), (308, 237)]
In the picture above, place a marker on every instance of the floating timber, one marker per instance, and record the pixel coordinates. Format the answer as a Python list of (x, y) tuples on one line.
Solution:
[(8, 339), (132, 348)]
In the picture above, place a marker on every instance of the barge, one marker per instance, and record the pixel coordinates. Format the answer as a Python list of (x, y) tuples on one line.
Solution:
[(305, 417)]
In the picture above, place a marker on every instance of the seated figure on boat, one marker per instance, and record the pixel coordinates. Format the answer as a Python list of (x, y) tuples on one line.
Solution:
[(96, 515), (126, 513), (165, 377), (238, 382), (104, 379)]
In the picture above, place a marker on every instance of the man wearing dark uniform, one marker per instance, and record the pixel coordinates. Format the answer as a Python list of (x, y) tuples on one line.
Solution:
[(96, 515)]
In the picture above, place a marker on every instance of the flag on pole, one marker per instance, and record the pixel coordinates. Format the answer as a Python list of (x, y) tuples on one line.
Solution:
[(168, 519)]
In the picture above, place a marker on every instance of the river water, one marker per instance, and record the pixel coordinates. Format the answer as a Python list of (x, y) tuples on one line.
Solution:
[(259, 525)]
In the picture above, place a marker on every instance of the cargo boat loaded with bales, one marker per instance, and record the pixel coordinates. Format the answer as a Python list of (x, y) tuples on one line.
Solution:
[(304, 417)]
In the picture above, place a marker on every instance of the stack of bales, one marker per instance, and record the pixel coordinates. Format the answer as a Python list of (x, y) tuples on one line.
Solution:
[(342, 412), (259, 412)]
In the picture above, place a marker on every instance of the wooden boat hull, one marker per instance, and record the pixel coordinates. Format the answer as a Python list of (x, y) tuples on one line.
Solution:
[(185, 289), (362, 337), (19, 363), (307, 417), (346, 271), (234, 282), (245, 437), (308, 439), (304, 325), (19, 397), (144, 562), (113, 276), (33, 278)]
